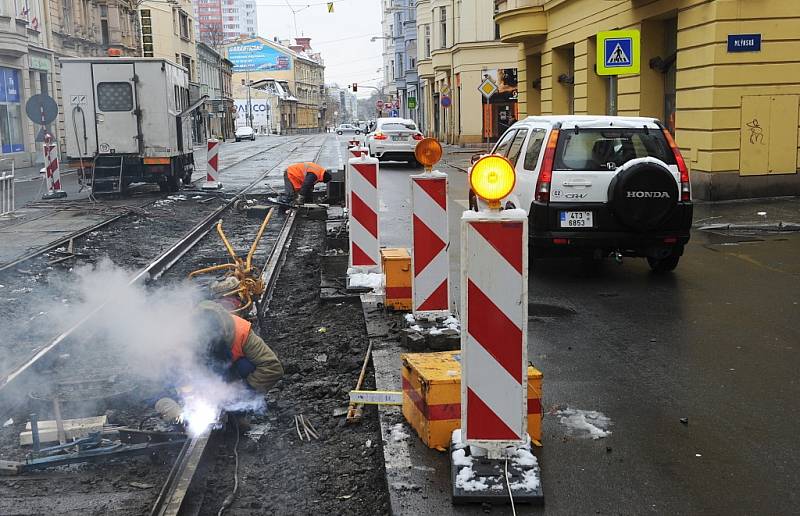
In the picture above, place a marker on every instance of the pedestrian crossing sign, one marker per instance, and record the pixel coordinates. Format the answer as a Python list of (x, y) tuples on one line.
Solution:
[(618, 52)]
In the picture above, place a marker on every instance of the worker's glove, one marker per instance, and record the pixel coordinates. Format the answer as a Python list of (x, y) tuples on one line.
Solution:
[(244, 367), (300, 200)]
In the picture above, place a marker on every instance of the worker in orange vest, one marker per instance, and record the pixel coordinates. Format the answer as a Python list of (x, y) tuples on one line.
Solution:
[(299, 180), (234, 350)]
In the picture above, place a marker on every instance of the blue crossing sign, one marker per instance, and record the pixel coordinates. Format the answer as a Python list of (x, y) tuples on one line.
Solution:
[(618, 52)]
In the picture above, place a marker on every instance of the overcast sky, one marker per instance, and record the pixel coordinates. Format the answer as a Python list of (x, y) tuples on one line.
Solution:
[(342, 36)]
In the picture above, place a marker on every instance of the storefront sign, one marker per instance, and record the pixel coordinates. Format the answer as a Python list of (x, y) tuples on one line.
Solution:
[(11, 139), (744, 42), (412, 103), (40, 63), (260, 109)]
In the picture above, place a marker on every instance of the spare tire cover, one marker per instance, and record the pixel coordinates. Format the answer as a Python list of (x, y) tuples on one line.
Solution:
[(643, 193)]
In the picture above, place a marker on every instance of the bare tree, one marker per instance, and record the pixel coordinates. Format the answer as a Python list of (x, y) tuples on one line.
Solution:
[(214, 36)]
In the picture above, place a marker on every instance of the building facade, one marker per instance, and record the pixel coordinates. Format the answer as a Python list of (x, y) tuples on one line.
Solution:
[(458, 48), (734, 114), (221, 21), (168, 32), (293, 74), (33, 35), (214, 77)]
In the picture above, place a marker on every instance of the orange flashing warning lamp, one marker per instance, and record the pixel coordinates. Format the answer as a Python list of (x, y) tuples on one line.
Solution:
[(428, 152), (492, 177)]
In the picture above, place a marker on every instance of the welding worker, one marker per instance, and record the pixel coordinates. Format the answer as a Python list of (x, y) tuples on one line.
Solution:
[(234, 350), (299, 180)]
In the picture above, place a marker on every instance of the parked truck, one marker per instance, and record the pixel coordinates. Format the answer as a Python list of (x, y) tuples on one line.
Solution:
[(129, 118)]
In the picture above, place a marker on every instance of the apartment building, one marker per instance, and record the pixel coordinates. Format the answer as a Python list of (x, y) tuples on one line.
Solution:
[(222, 21), (168, 32), (459, 47), (734, 113), (215, 75)]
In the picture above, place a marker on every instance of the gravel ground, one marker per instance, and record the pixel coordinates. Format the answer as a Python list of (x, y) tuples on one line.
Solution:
[(129, 486), (322, 348)]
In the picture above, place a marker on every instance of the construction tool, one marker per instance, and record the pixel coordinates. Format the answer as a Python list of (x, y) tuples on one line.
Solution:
[(250, 285), (354, 410)]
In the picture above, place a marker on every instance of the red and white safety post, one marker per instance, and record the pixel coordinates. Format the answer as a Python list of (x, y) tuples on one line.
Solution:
[(212, 167), (430, 238), (494, 300), (363, 213), (52, 170)]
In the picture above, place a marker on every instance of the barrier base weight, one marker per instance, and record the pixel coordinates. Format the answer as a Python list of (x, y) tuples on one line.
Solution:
[(57, 194), (478, 479), (211, 185)]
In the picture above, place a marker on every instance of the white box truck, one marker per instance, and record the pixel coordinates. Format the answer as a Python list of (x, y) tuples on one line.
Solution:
[(129, 117)]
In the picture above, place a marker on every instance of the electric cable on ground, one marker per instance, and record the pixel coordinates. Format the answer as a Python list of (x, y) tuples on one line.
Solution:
[(508, 485), (229, 499)]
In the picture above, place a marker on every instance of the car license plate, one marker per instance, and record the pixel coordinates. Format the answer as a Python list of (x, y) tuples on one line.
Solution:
[(576, 219), (399, 138)]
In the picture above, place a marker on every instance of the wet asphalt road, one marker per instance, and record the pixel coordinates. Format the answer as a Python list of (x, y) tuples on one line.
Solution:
[(716, 342)]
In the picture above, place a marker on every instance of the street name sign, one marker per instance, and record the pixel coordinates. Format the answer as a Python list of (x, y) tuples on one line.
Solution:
[(744, 42), (618, 52)]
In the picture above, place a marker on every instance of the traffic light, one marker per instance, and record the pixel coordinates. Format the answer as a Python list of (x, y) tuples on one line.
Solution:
[(355, 87)]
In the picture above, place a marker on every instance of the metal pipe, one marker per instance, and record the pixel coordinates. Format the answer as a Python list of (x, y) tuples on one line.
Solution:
[(227, 244), (62, 435), (258, 237), (35, 433)]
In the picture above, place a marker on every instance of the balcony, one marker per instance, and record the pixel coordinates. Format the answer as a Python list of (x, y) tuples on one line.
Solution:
[(442, 59), (521, 20), (13, 36), (425, 69)]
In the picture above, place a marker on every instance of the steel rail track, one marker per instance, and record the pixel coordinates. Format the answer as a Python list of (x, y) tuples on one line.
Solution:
[(77, 234), (14, 383), (172, 499)]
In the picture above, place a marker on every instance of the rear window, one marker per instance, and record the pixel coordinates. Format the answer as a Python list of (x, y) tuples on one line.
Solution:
[(114, 96), (398, 126), (607, 149)]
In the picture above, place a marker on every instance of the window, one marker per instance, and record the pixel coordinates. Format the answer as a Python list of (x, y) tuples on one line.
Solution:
[(516, 146), (104, 33), (184, 25), (114, 96), (443, 24), (606, 149), (502, 145), (11, 139), (427, 40), (534, 149), (398, 126)]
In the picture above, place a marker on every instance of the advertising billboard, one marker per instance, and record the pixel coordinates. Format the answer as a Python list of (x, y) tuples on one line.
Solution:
[(260, 108), (256, 56)]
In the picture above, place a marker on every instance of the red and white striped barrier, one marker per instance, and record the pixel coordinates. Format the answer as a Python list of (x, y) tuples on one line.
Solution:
[(358, 150), (52, 170), (430, 244), (212, 168), (494, 299), (363, 212), (7, 189)]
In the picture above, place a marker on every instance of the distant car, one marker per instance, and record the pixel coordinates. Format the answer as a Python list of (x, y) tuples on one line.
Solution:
[(245, 133), (348, 129), (595, 186), (394, 139)]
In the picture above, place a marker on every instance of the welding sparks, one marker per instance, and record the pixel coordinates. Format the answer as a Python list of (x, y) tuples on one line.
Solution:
[(198, 415)]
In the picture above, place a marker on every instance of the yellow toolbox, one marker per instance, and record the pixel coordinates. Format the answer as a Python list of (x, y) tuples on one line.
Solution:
[(432, 396), (396, 263)]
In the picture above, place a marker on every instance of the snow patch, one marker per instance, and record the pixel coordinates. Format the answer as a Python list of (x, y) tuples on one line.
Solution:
[(466, 480), (529, 482), (512, 215), (373, 280), (460, 458), (399, 433), (409, 317), (585, 423)]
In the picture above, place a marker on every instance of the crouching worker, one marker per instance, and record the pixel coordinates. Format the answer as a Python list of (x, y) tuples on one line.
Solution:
[(299, 180), (234, 350)]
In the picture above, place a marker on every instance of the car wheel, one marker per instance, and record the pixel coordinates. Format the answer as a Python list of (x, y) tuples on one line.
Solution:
[(663, 265), (253, 138), (358, 132), (237, 140), (339, 133)]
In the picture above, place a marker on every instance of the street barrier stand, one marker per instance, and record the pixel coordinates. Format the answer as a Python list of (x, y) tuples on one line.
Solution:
[(362, 184), (430, 235), (490, 454), (52, 170), (7, 190), (212, 168)]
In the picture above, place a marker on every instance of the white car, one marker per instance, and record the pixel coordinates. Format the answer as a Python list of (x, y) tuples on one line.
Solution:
[(348, 129), (394, 139), (595, 186), (244, 133)]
